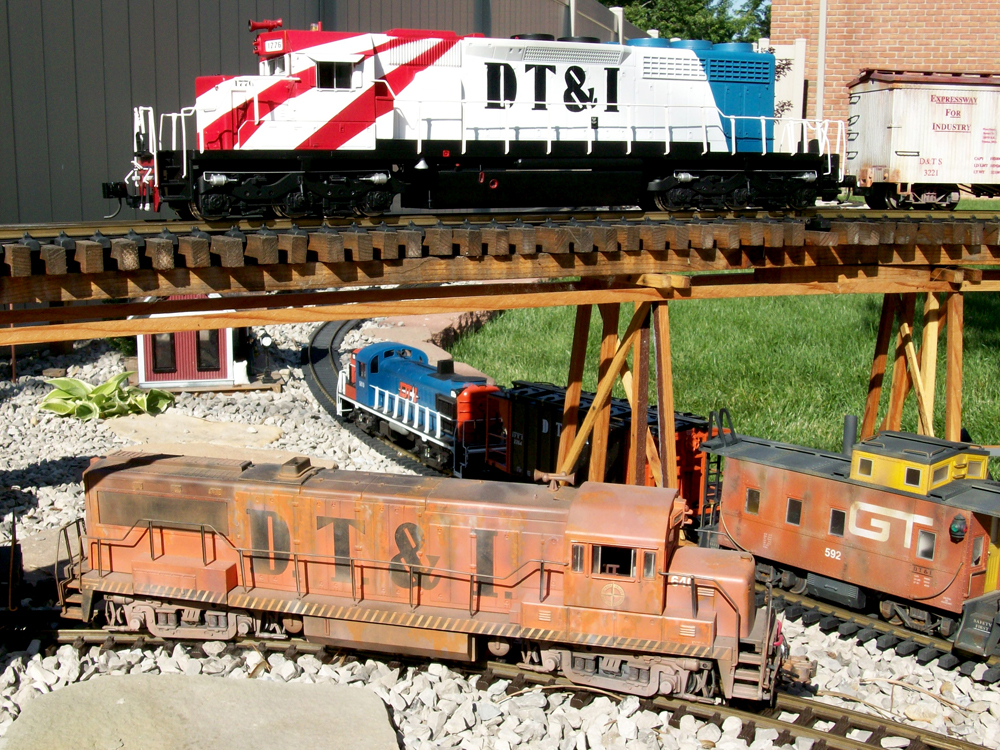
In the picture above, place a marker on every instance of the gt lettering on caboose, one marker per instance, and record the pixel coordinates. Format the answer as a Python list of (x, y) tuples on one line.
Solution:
[(878, 528)]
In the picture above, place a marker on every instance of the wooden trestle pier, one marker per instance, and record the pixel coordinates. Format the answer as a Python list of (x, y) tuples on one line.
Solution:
[(84, 284)]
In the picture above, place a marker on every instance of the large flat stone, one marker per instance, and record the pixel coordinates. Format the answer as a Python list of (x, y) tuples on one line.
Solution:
[(139, 712), (143, 428)]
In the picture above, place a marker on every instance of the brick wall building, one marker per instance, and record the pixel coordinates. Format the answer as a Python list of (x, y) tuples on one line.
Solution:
[(910, 34)]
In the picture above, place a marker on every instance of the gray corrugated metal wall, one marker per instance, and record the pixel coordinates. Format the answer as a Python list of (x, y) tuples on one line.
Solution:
[(75, 69)]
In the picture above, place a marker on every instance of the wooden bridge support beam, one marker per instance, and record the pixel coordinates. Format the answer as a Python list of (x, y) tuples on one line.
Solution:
[(574, 385), (602, 411), (955, 304), (665, 394), (870, 418)]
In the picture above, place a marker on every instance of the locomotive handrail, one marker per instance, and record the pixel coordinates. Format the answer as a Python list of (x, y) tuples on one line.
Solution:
[(185, 113), (475, 579), (715, 586), (820, 127)]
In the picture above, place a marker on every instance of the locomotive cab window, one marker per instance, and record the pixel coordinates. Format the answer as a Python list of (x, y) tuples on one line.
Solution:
[(361, 370), (925, 545), (374, 365), (912, 477), (577, 558), (837, 518), (649, 565), (793, 514), (276, 66), (334, 75), (753, 502), (613, 561)]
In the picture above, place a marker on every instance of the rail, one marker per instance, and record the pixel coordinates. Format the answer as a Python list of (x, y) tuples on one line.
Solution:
[(298, 559)]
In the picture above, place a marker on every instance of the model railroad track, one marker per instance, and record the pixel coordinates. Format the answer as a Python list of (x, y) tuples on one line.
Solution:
[(849, 624), (792, 716), (321, 368), (742, 241)]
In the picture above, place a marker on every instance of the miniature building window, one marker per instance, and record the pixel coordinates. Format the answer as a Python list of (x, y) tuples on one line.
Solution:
[(837, 519), (925, 545), (334, 75), (912, 477), (208, 351), (865, 467), (613, 561), (975, 470), (649, 565), (793, 514), (164, 353), (577, 558), (940, 474), (753, 502), (977, 551)]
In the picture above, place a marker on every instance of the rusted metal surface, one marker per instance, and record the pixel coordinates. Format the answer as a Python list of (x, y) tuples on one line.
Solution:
[(354, 557)]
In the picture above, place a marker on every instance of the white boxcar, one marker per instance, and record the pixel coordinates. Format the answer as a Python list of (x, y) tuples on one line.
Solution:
[(915, 137)]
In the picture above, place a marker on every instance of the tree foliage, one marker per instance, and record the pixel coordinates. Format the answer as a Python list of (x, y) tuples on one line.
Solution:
[(714, 20)]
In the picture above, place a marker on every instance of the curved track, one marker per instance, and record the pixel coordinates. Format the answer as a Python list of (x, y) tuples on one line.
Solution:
[(321, 367), (792, 716), (862, 628)]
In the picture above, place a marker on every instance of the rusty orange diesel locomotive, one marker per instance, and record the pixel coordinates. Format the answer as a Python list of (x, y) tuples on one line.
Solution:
[(586, 582), (904, 522)]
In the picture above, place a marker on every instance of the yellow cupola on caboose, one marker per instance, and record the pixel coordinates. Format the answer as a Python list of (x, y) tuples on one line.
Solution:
[(915, 463)]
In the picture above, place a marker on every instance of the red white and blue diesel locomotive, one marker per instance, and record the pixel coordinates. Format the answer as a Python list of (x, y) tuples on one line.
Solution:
[(340, 123)]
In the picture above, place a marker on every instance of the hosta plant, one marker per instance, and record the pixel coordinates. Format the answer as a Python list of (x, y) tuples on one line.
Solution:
[(74, 398)]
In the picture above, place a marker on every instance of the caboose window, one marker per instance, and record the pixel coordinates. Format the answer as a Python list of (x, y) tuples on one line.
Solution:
[(164, 354), (975, 470), (912, 477), (865, 467), (613, 561), (577, 558), (837, 518), (793, 513), (753, 502), (649, 565), (940, 474), (977, 551), (334, 75), (925, 545)]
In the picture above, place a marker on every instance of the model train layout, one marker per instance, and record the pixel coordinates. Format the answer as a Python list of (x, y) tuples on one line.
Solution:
[(587, 582), (339, 122)]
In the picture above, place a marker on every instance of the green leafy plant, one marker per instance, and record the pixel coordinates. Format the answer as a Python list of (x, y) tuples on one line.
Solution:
[(74, 398)]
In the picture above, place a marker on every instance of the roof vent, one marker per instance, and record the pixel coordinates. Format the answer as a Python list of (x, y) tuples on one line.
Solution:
[(446, 367), (294, 467)]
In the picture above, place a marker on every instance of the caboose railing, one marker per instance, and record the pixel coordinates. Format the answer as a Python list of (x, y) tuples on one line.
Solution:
[(301, 560)]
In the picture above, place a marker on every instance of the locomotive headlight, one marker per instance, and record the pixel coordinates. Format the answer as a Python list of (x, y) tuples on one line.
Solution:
[(959, 526)]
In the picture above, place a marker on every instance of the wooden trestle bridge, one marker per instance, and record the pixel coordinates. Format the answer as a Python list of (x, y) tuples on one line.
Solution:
[(72, 282)]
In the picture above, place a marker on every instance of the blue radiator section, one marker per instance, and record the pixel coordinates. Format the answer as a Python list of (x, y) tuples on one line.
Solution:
[(742, 83)]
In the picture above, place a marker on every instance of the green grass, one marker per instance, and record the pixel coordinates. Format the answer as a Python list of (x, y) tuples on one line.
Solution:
[(978, 204), (788, 368)]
